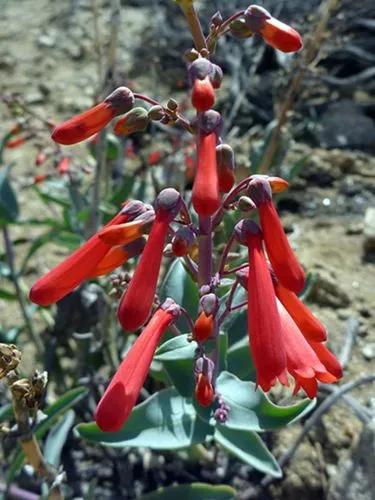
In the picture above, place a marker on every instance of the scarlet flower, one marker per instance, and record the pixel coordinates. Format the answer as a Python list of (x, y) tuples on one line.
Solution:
[(281, 36), (204, 392), (122, 234), (264, 328), (203, 327), (309, 325), (136, 302), (206, 195), (203, 94), (88, 123), (277, 34), (303, 363), (38, 179), (285, 264), (122, 393), (78, 267)]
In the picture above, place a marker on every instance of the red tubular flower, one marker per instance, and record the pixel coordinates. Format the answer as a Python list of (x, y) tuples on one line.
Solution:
[(122, 393), (303, 363), (88, 123), (327, 359), (264, 327), (206, 195), (203, 327), (275, 33), (80, 265), (15, 143), (122, 234), (204, 392), (67, 275), (136, 302), (285, 264), (203, 94), (281, 36), (310, 326), (225, 167)]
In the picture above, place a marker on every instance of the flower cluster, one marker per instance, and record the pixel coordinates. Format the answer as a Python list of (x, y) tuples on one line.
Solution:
[(285, 339)]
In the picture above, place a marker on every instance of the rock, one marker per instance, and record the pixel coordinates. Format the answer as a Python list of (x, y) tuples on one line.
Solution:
[(368, 351), (369, 235), (47, 40), (337, 129), (354, 478), (34, 97), (325, 291)]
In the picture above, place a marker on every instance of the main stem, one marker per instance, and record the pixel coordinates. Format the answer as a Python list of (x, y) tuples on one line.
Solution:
[(205, 251)]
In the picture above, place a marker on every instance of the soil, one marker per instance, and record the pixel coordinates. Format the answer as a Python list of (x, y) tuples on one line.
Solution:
[(48, 55)]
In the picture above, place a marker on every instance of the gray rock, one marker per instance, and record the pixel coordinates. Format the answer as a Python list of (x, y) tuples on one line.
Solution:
[(327, 292), (355, 474), (368, 352)]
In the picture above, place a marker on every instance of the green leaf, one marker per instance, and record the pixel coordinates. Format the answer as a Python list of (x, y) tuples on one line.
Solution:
[(177, 357), (179, 286), (251, 410), (239, 360), (56, 439), (248, 447), (193, 491), (165, 421), (8, 202), (223, 351), (53, 412), (6, 412), (5, 295), (123, 192)]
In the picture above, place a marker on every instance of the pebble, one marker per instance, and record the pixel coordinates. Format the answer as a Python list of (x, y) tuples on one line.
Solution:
[(368, 351), (369, 233)]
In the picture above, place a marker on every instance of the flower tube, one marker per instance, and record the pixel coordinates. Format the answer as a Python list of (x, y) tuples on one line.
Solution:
[(264, 327), (284, 262), (122, 393), (136, 302), (206, 195), (88, 123), (310, 326)]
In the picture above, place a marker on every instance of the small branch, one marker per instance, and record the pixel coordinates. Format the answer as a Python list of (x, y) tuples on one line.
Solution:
[(224, 255), (351, 330), (228, 304)]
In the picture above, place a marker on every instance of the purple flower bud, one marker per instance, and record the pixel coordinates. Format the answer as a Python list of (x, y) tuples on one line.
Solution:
[(168, 203), (121, 99), (134, 208), (170, 306), (204, 365), (246, 204), (216, 76), (259, 190), (244, 228), (210, 121), (242, 275), (255, 17), (200, 68), (217, 19), (209, 304)]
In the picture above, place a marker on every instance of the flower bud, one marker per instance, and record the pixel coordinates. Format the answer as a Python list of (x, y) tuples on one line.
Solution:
[(225, 167), (246, 204), (259, 190), (216, 76), (191, 55), (239, 29), (209, 304), (156, 113), (245, 228), (217, 19), (182, 241), (204, 392), (134, 208), (168, 204), (210, 121), (172, 104), (199, 69), (256, 17), (135, 120), (121, 100)]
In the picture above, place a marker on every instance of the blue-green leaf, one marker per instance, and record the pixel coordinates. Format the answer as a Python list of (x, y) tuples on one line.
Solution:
[(165, 421), (56, 439), (8, 202), (251, 410), (248, 447)]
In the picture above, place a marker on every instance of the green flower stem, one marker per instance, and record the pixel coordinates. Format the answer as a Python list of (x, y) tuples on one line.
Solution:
[(195, 27)]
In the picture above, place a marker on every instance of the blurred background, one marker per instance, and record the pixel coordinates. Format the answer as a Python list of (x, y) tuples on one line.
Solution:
[(309, 118)]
